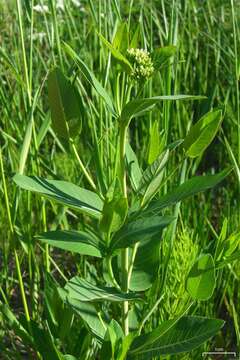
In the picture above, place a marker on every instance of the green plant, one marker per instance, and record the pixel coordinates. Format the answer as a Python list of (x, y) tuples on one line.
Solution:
[(123, 223)]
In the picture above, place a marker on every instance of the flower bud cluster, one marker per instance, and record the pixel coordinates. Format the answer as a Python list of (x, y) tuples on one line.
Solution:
[(142, 64)]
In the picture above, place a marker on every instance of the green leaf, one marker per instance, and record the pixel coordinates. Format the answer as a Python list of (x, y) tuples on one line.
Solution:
[(231, 244), (82, 290), (14, 324), (126, 343), (133, 168), (201, 280), (64, 105), (90, 77), (120, 41), (202, 133), (154, 142), (80, 242), (117, 54), (146, 264), (189, 188), (162, 55), (88, 313), (135, 40), (235, 256), (138, 230), (152, 177), (63, 192), (113, 337), (44, 343), (114, 214), (173, 337), (139, 106)]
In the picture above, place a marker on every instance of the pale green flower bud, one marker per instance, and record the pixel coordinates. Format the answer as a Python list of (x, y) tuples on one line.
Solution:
[(141, 62)]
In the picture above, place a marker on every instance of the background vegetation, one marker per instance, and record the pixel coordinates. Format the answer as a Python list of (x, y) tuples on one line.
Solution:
[(206, 34)]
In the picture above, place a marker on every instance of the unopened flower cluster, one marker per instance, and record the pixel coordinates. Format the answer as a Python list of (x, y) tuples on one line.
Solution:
[(141, 62)]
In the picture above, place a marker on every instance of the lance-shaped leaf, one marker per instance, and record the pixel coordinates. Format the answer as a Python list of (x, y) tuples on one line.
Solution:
[(202, 133), (121, 38), (63, 192), (201, 279), (80, 242), (83, 290), (113, 214), (133, 168), (87, 312), (138, 230), (146, 263), (90, 77), (139, 106), (121, 59), (155, 141), (152, 177), (112, 340), (188, 188), (173, 337), (64, 105)]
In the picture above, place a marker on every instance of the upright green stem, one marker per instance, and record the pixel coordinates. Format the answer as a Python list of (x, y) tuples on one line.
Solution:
[(24, 300), (25, 66), (124, 254), (88, 177)]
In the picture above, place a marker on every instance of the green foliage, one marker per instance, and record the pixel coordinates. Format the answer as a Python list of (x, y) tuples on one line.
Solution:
[(201, 279), (124, 276), (136, 231), (175, 336), (64, 104), (63, 192), (81, 242), (202, 133)]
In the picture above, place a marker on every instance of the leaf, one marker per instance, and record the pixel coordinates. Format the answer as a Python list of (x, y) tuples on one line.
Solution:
[(188, 188), (139, 106), (146, 264), (80, 242), (120, 41), (114, 214), (63, 192), (231, 244), (44, 343), (84, 291), (14, 324), (133, 168), (154, 143), (138, 230), (122, 60), (64, 104), (162, 55), (135, 40), (152, 177), (202, 133), (173, 337), (201, 279), (235, 256), (89, 315), (113, 337), (90, 77)]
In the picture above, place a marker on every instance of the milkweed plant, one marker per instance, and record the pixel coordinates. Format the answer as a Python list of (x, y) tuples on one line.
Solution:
[(124, 220)]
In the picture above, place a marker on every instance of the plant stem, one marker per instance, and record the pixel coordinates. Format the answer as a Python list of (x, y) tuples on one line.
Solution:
[(24, 300), (25, 66), (110, 272), (88, 177), (124, 254)]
